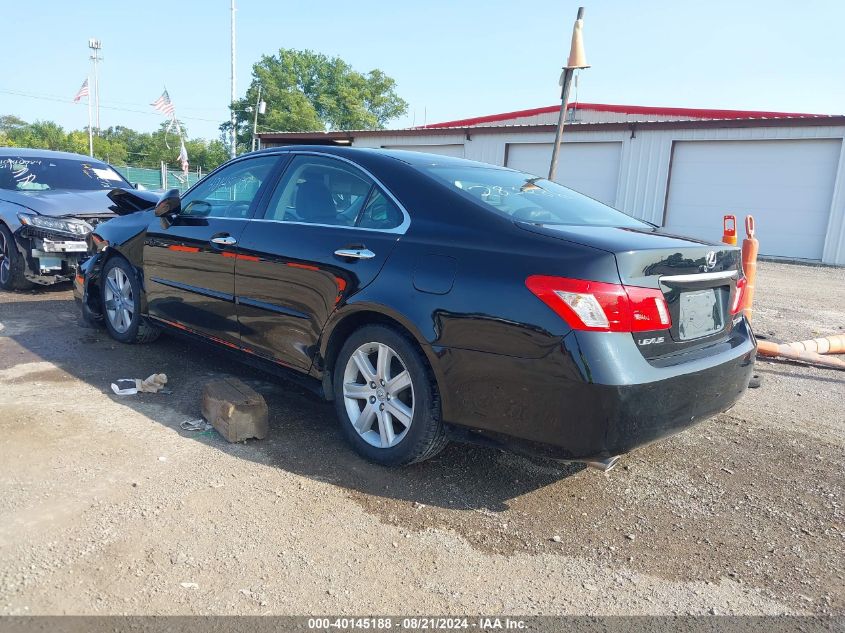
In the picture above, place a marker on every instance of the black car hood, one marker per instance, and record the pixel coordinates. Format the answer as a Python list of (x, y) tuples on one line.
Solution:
[(59, 203), (128, 201)]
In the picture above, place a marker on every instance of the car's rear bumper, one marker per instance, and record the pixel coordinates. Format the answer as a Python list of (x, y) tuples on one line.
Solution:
[(596, 396)]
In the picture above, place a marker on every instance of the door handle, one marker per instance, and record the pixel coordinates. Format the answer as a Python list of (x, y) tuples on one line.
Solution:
[(355, 253), (225, 240)]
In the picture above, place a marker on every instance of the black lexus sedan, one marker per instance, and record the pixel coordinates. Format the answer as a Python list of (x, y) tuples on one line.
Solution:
[(49, 202), (434, 298)]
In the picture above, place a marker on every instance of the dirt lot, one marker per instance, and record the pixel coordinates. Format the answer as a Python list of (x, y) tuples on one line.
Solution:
[(106, 506)]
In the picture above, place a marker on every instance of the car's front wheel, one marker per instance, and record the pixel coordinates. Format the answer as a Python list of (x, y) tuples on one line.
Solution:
[(11, 264), (121, 301), (386, 398)]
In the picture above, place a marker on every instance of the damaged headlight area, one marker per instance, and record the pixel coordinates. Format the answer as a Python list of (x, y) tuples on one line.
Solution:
[(67, 227), (52, 247)]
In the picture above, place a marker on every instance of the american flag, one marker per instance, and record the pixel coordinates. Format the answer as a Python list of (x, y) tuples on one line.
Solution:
[(164, 105), (83, 91), (183, 157)]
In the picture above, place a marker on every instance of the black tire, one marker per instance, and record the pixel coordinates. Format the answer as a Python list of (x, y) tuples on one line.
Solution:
[(139, 330), (426, 436), (12, 265)]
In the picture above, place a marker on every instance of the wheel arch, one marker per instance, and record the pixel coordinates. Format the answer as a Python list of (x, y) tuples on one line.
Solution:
[(95, 283), (344, 322)]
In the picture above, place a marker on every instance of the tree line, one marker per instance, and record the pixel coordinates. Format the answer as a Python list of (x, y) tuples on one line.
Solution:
[(117, 145), (304, 91)]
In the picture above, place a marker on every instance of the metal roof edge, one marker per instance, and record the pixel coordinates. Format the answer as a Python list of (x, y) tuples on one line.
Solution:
[(350, 135)]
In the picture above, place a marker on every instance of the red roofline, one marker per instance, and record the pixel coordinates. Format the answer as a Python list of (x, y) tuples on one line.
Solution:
[(700, 113)]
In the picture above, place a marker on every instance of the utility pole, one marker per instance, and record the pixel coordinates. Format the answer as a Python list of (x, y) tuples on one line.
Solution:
[(233, 150), (260, 108), (90, 125), (577, 59), (96, 46)]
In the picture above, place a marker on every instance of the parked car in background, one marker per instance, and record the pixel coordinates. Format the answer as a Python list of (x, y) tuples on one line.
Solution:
[(49, 202), (433, 297)]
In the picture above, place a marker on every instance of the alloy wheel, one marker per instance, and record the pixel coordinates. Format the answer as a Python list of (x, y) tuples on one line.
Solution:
[(378, 394), (120, 301), (5, 260)]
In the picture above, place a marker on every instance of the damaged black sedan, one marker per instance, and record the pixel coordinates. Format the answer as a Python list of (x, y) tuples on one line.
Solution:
[(433, 298), (49, 203)]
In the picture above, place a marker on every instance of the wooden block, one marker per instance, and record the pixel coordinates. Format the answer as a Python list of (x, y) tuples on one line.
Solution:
[(236, 410)]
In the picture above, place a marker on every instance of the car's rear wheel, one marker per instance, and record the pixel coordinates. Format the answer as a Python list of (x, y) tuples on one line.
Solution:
[(386, 398), (11, 264), (121, 301)]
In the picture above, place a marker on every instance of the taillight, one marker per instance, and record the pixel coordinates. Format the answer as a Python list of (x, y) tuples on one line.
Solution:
[(739, 294), (602, 307)]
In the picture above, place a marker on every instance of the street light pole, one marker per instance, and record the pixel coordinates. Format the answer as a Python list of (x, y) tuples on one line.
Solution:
[(577, 59), (233, 150), (96, 46)]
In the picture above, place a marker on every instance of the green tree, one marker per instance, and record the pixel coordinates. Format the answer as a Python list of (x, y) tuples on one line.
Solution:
[(305, 90), (118, 145)]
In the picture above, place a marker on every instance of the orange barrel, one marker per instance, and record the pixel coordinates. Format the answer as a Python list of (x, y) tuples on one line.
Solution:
[(750, 248), (729, 230)]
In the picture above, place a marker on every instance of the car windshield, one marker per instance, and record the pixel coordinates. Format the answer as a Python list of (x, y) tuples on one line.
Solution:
[(529, 198), (32, 173)]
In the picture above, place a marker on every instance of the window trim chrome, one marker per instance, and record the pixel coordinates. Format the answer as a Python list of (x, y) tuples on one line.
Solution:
[(696, 277), (398, 230)]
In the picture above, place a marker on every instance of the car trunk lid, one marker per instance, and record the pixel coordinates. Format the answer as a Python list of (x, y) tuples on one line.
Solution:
[(697, 279)]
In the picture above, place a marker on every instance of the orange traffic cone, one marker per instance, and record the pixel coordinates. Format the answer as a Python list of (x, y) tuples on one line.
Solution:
[(750, 248), (729, 230), (828, 345), (774, 350)]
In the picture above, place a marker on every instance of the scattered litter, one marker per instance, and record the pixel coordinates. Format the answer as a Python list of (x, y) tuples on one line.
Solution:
[(556, 538), (198, 424), (152, 384), (189, 585), (162, 459), (727, 470)]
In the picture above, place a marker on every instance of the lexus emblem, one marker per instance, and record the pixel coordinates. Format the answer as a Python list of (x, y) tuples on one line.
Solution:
[(710, 260)]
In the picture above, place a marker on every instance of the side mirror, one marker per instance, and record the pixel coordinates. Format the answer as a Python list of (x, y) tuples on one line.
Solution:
[(169, 204)]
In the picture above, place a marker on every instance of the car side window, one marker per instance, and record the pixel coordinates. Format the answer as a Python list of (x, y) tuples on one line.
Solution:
[(229, 192), (380, 212), (319, 190)]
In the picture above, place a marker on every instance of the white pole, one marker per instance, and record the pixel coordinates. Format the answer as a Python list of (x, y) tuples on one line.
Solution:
[(233, 150), (90, 130), (97, 91), (255, 120)]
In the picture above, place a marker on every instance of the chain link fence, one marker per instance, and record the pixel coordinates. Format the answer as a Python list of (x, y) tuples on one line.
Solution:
[(156, 179)]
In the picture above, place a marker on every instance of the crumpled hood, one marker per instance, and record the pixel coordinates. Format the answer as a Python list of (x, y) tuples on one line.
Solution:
[(62, 202)]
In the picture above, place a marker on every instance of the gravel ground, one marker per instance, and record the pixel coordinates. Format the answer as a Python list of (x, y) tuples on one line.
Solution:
[(106, 506)]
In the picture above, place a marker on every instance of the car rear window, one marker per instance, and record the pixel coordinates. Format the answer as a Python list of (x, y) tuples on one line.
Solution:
[(33, 173), (529, 198)]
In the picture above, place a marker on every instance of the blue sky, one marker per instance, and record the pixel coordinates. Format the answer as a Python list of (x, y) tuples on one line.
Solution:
[(451, 59)]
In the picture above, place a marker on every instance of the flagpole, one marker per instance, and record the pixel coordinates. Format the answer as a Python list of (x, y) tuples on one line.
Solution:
[(90, 131)]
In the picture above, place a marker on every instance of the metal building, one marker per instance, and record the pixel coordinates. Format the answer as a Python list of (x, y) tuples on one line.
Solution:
[(677, 167)]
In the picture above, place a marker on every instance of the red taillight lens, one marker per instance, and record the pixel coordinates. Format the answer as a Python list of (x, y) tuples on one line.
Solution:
[(602, 307), (739, 294)]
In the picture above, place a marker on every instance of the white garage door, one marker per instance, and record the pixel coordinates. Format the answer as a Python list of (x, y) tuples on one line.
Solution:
[(786, 185), (591, 168), (456, 150)]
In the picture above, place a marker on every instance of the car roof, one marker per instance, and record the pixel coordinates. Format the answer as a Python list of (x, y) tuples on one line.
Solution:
[(415, 159), (28, 152)]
